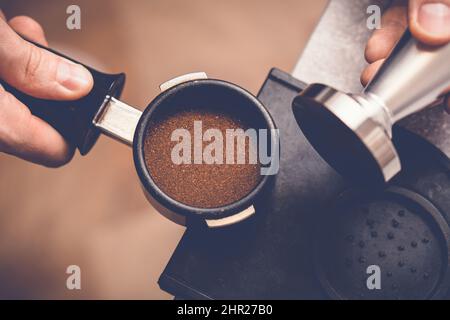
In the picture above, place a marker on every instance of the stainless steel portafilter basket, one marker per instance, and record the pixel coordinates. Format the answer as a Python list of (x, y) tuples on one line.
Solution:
[(353, 132)]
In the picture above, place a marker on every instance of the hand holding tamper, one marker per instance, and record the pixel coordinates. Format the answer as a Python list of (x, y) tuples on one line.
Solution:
[(353, 132)]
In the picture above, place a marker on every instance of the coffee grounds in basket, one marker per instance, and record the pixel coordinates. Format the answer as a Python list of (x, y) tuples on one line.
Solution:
[(198, 185)]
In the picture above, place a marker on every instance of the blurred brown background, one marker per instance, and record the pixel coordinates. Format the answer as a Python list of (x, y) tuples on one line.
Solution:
[(91, 212)]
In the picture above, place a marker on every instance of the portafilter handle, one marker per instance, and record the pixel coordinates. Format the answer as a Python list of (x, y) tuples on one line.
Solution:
[(74, 120)]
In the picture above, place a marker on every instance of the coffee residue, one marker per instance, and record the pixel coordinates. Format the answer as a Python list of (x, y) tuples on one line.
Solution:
[(198, 185)]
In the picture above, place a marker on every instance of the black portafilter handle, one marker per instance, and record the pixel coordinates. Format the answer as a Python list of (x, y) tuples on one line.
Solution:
[(74, 119)]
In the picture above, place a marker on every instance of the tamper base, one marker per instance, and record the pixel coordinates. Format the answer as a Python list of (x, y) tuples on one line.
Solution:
[(340, 130)]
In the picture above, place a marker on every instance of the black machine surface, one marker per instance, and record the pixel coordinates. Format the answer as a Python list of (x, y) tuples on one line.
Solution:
[(315, 234)]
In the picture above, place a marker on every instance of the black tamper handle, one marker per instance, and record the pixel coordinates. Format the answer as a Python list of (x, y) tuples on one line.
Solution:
[(74, 119)]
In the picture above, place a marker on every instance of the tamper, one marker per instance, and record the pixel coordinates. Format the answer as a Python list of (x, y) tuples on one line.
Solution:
[(353, 132)]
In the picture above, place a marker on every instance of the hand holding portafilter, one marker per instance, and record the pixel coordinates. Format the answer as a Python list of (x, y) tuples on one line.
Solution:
[(73, 119), (81, 121), (353, 132)]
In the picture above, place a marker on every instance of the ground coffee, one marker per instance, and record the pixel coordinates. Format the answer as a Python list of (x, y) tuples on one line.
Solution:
[(198, 185)]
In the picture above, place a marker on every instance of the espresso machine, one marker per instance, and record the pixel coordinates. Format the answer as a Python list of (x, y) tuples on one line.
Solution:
[(319, 231)]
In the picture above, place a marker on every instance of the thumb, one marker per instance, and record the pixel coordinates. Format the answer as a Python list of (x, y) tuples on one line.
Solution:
[(429, 21), (38, 72)]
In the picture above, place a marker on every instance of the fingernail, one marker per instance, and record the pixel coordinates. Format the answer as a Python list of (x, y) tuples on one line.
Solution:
[(434, 18), (73, 76)]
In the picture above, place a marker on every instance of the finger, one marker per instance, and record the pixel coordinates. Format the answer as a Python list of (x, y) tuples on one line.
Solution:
[(393, 25), (429, 21), (38, 72), (28, 137), (370, 71), (2, 16), (29, 28)]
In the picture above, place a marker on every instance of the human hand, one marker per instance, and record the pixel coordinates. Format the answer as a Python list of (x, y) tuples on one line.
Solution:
[(428, 21), (41, 74)]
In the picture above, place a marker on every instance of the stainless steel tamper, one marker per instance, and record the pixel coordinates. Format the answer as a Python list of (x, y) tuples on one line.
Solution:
[(353, 132)]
